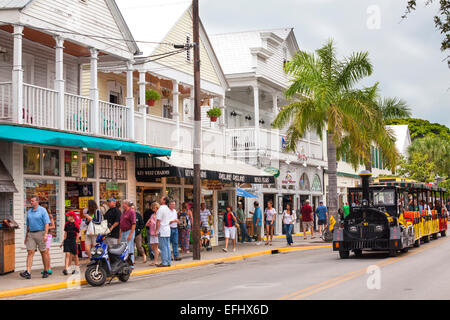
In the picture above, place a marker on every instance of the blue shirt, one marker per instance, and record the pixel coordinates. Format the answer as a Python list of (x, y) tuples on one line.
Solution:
[(257, 215), (322, 212), (37, 219)]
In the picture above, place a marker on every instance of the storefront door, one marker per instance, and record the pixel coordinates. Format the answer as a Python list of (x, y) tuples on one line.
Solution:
[(223, 201), (145, 196)]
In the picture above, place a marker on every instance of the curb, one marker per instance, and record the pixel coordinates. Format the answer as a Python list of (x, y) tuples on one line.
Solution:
[(68, 285)]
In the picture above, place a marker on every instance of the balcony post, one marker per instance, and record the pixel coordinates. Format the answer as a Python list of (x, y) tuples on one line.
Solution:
[(176, 112), (17, 76), (142, 105), (59, 81), (274, 115), (93, 93), (222, 108), (130, 100), (256, 111)]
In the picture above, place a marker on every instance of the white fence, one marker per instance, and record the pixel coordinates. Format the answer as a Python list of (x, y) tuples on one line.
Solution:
[(77, 113), (39, 106), (113, 120)]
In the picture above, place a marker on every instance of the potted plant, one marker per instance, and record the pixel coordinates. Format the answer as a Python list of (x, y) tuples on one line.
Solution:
[(214, 113), (151, 96)]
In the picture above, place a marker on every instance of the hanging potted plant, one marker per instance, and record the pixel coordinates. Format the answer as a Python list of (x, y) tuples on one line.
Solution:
[(214, 113), (151, 96)]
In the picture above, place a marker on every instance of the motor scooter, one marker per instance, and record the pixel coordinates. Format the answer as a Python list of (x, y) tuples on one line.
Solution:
[(108, 261)]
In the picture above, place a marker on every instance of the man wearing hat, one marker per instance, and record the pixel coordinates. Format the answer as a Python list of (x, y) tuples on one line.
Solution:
[(113, 217)]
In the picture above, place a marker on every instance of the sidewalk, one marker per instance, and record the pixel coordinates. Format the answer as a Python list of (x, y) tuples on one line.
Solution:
[(13, 285)]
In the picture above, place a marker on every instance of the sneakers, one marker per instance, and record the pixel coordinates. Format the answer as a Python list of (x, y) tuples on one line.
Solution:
[(49, 272), (234, 249), (258, 243), (25, 275), (45, 274), (65, 272), (177, 259), (224, 249)]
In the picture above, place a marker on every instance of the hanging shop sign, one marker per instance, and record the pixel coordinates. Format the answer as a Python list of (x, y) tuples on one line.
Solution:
[(273, 171), (288, 178)]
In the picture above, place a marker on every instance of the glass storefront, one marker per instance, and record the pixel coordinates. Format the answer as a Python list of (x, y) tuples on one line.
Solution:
[(114, 190)]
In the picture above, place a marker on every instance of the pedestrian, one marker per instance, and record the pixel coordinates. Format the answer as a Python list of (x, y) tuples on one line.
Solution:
[(138, 234), (270, 213), (186, 218), (152, 234), (163, 218), (322, 214), (153, 207), (421, 206), (51, 235), (229, 226), (438, 207), (346, 209), (103, 207), (71, 233), (257, 221), (206, 220), (127, 226), (307, 219), (174, 230), (288, 223), (37, 223), (113, 217), (91, 215), (241, 218)]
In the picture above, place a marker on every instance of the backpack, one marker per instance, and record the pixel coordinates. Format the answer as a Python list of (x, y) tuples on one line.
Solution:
[(184, 222)]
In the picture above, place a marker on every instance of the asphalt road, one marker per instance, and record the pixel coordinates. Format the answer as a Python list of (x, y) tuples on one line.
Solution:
[(422, 273)]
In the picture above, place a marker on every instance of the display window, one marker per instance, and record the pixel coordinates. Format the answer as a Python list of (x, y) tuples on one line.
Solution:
[(113, 190), (71, 164), (48, 193), (106, 167), (120, 168), (77, 195), (31, 160), (88, 165), (174, 194), (51, 162)]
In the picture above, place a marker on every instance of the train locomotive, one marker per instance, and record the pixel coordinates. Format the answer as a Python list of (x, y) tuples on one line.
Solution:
[(378, 219)]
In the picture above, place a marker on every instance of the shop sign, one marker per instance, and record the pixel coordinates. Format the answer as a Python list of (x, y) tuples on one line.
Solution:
[(288, 179), (214, 186), (112, 186), (83, 202)]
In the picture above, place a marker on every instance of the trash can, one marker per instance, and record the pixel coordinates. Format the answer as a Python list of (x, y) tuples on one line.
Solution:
[(7, 250)]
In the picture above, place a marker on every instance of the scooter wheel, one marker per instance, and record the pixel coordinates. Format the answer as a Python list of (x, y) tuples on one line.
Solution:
[(94, 278), (124, 277)]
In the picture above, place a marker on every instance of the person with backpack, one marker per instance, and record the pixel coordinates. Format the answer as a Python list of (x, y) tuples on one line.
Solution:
[(184, 227), (138, 234)]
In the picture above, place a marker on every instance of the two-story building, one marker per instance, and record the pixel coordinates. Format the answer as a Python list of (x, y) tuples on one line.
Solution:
[(253, 64), (56, 143)]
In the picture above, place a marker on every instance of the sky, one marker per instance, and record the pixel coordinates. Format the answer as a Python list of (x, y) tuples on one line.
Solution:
[(405, 54)]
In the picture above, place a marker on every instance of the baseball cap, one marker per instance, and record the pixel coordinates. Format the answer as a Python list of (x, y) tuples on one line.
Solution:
[(71, 213), (111, 199)]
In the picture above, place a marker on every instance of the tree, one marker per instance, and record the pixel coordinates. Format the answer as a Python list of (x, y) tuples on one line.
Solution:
[(416, 168), (441, 21), (419, 128), (435, 150), (326, 98)]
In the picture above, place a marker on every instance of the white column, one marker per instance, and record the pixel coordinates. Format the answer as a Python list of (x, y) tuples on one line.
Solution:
[(142, 105), (17, 76), (93, 93), (176, 112), (130, 100), (256, 118), (222, 108), (276, 132), (59, 81)]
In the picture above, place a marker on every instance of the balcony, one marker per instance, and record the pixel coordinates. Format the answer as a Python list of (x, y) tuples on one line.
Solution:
[(40, 109)]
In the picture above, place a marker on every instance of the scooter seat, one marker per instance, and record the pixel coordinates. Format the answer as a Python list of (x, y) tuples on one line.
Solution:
[(118, 249)]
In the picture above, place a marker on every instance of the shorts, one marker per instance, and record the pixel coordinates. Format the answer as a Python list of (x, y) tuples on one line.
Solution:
[(322, 222), (48, 244), (70, 245), (90, 240), (154, 240), (268, 222), (36, 241), (308, 225), (258, 230), (230, 232)]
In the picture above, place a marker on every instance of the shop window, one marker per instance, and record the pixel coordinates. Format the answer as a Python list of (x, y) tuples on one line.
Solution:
[(112, 190), (88, 165), (106, 167), (120, 168), (71, 164), (189, 181), (174, 194), (31, 160), (304, 182), (51, 162), (173, 180), (77, 195), (316, 185), (47, 192)]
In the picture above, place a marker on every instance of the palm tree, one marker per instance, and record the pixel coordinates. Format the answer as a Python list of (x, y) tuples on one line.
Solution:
[(327, 99)]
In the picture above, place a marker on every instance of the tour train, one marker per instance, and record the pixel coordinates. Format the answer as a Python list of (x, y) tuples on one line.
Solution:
[(384, 215)]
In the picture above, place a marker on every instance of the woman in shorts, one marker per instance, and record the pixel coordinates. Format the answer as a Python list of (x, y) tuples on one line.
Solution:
[(229, 225), (153, 236), (270, 218)]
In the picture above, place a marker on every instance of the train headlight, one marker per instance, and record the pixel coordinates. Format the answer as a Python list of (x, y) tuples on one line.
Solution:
[(353, 229), (379, 228)]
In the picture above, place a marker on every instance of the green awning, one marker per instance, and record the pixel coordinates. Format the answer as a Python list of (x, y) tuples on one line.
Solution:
[(56, 138)]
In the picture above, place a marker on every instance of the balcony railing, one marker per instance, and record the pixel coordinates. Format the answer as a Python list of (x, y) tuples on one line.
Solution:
[(6, 101), (77, 113), (113, 120), (39, 106)]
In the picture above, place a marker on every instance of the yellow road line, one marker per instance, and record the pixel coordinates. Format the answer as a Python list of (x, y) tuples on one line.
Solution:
[(351, 275), (65, 284)]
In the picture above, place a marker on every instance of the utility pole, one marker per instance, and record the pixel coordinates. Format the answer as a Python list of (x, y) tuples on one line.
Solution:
[(197, 132)]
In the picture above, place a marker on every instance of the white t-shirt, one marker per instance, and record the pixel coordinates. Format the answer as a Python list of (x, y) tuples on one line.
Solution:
[(204, 214), (270, 213), (288, 218), (174, 215), (164, 214)]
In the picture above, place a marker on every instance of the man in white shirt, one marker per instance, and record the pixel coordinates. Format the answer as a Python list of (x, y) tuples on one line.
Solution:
[(205, 216), (163, 219), (174, 230)]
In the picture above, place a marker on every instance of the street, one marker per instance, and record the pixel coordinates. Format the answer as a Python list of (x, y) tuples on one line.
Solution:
[(311, 274)]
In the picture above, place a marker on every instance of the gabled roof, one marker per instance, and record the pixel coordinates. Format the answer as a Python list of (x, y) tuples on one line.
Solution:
[(234, 50), (14, 4)]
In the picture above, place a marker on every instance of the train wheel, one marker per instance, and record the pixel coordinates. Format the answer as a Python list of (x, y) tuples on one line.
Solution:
[(405, 250), (357, 252), (344, 254), (435, 235), (443, 233), (417, 243), (393, 253), (426, 239)]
